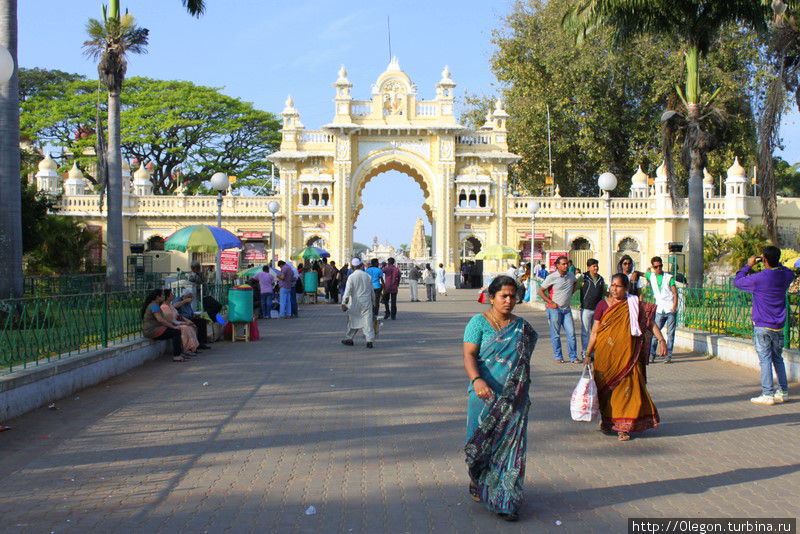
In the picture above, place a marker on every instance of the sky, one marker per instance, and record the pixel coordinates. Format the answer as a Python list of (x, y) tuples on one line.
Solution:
[(263, 50)]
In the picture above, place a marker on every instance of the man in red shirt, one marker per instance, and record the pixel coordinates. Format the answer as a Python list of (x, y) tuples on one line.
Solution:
[(391, 280)]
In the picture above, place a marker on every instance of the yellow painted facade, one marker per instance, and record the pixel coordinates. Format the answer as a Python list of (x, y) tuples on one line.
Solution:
[(463, 175)]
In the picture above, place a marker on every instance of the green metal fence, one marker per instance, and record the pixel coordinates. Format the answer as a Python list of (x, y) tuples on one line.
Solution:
[(72, 284), (35, 330)]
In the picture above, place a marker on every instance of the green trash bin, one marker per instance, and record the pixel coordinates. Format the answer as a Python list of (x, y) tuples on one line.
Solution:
[(240, 305), (310, 281)]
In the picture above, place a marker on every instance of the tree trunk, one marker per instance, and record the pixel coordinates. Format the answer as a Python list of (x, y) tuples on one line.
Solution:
[(114, 253), (10, 194), (696, 220)]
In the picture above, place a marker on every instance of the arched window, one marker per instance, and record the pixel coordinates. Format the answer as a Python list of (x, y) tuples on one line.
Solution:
[(315, 241), (304, 198), (462, 199), (581, 243), (628, 244), (482, 199), (472, 246), (315, 197), (325, 197), (473, 199), (155, 243)]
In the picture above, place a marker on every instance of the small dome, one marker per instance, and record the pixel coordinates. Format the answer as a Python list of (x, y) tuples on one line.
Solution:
[(75, 172), (661, 171), (736, 170), (47, 164), (342, 80), (639, 177), (707, 178), (446, 77), (141, 174)]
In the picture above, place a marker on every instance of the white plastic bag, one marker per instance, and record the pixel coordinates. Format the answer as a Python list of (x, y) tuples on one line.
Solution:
[(584, 405)]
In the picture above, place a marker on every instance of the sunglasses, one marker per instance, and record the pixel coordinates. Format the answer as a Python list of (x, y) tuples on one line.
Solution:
[(657, 266), (626, 263)]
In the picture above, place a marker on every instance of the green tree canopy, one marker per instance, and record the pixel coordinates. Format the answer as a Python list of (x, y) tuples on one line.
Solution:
[(188, 132), (606, 101)]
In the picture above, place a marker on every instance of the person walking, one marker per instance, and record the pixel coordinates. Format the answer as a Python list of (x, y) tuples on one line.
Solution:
[(266, 287), (376, 274), (429, 279), (465, 274), (358, 301), (333, 283), (497, 353), (344, 272), (666, 297), (391, 281), (441, 280), (325, 273), (620, 346), (296, 288), (286, 283), (556, 291), (593, 290), (769, 316), (414, 276)]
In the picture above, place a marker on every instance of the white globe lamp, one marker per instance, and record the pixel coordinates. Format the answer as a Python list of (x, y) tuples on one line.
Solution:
[(6, 64)]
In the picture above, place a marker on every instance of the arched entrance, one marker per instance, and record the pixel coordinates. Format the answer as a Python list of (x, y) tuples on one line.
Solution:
[(629, 246), (580, 252), (462, 174)]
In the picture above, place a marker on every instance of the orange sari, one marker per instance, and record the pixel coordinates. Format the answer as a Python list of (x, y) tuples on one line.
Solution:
[(619, 370)]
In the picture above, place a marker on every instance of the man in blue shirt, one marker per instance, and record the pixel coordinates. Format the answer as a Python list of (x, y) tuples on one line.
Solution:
[(376, 273)]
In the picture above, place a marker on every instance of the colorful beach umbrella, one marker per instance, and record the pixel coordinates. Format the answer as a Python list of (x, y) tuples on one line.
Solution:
[(201, 238), (497, 252), (308, 253), (252, 271)]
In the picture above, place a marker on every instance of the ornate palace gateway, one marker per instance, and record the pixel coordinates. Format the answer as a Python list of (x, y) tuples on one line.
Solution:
[(463, 175)]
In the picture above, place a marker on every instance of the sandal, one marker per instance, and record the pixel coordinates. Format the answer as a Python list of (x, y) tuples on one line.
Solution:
[(560, 360), (473, 492), (178, 359), (623, 436)]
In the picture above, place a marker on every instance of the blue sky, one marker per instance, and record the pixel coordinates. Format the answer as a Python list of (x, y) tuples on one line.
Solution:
[(263, 50)]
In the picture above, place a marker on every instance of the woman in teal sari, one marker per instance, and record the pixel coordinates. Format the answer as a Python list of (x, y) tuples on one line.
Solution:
[(497, 354)]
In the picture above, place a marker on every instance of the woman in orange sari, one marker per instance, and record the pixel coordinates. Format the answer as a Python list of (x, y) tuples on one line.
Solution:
[(619, 344), (187, 328)]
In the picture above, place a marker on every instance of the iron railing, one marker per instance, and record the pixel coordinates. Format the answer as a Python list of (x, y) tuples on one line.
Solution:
[(36, 330), (73, 284)]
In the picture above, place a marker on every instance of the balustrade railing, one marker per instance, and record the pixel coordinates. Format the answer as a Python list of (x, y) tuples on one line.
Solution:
[(316, 137), (426, 109), (472, 139), (360, 109)]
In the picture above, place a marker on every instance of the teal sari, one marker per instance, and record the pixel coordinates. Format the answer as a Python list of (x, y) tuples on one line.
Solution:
[(497, 429)]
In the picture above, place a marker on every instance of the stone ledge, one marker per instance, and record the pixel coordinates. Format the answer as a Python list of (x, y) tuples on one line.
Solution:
[(27, 389)]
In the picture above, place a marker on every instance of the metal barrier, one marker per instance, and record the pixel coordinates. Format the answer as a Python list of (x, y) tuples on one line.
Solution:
[(72, 284)]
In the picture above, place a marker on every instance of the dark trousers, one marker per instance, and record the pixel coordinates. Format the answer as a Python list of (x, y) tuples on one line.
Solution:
[(202, 332), (293, 301), (333, 290), (390, 303), (376, 303), (175, 335)]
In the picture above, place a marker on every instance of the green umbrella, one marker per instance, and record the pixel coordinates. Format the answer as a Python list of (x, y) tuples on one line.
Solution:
[(308, 253), (252, 271)]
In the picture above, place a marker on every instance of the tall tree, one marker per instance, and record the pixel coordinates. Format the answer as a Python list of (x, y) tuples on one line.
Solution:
[(186, 131), (10, 198), (784, 85), (697, 23), (110, 40)]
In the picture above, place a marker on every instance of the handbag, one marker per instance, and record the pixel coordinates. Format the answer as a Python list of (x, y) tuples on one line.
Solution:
[(482, 297), (584, 404)]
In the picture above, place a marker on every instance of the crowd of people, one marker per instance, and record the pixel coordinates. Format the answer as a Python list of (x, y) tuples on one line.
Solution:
[(620, 335), (166, 315)]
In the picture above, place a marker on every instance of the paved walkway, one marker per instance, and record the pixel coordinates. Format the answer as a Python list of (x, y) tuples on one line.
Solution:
[(373, 440)]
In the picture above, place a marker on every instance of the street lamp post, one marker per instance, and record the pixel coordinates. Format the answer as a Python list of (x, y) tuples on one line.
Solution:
[(608, 182), (533, 207), (219, 181), (273, 208)]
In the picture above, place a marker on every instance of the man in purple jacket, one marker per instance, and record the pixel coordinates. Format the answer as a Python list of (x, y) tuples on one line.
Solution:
[(769, 315), (391, 281)]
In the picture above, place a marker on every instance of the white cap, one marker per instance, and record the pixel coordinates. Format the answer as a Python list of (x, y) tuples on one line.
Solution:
[(355, 262)]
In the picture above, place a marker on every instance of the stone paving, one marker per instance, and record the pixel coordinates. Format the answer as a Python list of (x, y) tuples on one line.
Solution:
[(373, 440)]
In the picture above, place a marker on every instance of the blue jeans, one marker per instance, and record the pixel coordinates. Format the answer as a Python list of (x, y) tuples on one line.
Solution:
[(587, 322), (665, 321), (285, 302), (769, 347), (557, 319), (293, 301), (266, 305)]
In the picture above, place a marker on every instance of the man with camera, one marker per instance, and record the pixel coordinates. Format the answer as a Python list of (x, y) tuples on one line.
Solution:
[(769, 316)]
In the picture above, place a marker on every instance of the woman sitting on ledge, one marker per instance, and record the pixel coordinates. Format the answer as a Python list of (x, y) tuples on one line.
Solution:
[(187, 328), (156, 326)]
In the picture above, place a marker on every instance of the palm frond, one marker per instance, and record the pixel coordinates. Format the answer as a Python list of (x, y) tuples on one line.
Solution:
[(109, 43), (194, 7)]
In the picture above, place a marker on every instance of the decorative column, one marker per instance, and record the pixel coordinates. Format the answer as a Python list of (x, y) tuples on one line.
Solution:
[(142, 185), (47, 179), (639, 184), (708, 184), (735, 197)]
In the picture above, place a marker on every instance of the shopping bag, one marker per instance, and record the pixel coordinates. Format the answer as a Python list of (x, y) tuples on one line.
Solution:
[(527, 297), (482, 297), (584, 405)]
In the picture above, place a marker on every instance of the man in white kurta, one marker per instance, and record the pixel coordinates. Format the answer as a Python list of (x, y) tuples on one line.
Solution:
[(357, 301)]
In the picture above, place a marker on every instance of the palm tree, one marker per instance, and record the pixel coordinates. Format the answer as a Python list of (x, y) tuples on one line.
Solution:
[(11, 196), (110, 40), (697, 23), (784, 55)]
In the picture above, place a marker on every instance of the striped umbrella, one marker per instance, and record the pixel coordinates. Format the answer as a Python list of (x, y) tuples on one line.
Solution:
[(252, 271), (201, 238), (308, 253), (497, 252)]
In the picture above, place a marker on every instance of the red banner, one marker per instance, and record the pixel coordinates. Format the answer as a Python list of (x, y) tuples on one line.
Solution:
[(538, 235), (252, 235), (552, 257), (229, 261)]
